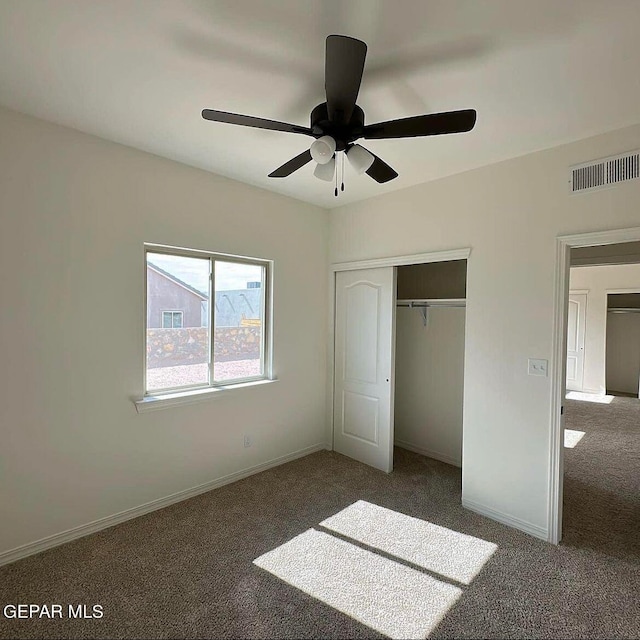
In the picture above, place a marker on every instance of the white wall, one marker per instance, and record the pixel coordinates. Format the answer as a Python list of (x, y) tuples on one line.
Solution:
[(623, 352), (510, 215), (429, 382), (598, 281), (75, 211)]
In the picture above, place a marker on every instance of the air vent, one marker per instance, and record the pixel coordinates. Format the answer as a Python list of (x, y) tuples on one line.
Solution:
[(600, 174)]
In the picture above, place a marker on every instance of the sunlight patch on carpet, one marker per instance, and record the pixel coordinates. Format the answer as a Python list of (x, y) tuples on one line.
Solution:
[(448, 553), (589, 397), (389, 597), (572, 437)]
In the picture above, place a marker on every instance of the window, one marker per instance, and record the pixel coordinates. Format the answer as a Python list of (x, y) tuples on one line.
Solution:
[(172, 319), (216, 307)]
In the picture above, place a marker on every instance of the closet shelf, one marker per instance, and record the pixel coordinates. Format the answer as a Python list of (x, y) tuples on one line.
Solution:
[(623, 310)]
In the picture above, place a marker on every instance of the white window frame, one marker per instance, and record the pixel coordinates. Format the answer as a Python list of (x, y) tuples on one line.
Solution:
[(267, 336), (172, 312)]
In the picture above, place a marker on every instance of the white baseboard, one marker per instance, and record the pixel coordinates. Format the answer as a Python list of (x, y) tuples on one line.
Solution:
[(428, 453), (511, 521), (57, 539)]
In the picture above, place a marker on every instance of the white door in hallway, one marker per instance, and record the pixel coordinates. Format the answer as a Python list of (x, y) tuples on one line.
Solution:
[(576, 323), (364, 366)]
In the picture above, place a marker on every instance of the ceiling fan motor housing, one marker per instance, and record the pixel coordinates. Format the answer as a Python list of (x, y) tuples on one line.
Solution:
[(343, 134)]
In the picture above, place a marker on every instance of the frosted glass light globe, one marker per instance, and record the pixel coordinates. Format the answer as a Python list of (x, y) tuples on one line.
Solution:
[(359, 158), (326, 171), (322, 149)]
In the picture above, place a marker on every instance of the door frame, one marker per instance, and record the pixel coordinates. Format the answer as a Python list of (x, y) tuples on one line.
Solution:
[(564, 244), (392, 261)]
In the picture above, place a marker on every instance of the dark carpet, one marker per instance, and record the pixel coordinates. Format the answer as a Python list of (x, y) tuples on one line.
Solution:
[(602, 478), (187, 571)]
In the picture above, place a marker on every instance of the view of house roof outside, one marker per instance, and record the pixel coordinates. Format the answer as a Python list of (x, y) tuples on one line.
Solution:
[(234, 275)]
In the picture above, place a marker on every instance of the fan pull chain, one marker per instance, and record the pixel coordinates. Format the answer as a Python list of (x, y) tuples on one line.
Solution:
[(336, 177), (342, 187)]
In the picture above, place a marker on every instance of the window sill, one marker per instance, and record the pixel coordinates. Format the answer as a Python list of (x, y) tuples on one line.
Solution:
[(154, 403)]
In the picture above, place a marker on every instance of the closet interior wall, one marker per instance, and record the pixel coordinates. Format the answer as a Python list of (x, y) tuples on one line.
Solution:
[(430, 359)]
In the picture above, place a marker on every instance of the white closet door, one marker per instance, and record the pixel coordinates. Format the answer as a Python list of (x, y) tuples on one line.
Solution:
[(576, 322), (364, 367)]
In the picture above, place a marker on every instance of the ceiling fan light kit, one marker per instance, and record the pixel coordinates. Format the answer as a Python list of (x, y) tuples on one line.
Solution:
[(322, 149), (359, 158), (325, 171), (337, 123)]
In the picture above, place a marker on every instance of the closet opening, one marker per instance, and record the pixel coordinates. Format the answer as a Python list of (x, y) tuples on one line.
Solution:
[(398, 335), (622, 370), (429, 359)]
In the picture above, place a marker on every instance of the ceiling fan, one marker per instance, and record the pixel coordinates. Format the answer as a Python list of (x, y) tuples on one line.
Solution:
[(337, 123)]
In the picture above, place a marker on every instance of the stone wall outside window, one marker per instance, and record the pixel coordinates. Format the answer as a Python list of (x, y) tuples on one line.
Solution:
[(171, 347)]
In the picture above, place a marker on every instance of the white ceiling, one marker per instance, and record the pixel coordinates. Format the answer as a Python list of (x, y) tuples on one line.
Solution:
[(539, 73)]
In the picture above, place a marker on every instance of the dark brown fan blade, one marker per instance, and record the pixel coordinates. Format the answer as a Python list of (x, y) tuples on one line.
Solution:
[(433, 124), (380, 171), (251, 121), (293, 165), (344, 64)]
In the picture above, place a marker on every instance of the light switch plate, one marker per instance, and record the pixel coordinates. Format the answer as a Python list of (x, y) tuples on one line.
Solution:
[(538, 367)]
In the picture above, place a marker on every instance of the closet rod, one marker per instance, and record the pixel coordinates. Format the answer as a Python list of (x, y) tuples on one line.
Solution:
[(435, 302), (424, 304), (623, 310)]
